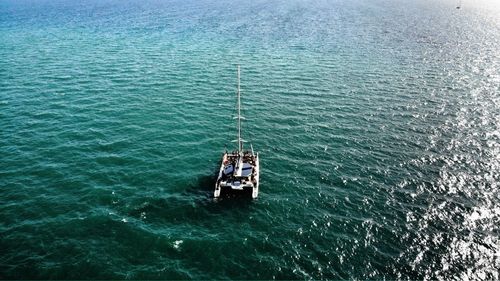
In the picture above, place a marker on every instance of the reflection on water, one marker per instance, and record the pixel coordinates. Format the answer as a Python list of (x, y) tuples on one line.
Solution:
[(377, 124)]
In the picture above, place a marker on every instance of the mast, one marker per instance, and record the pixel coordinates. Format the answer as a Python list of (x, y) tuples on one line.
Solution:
[(240, 143)]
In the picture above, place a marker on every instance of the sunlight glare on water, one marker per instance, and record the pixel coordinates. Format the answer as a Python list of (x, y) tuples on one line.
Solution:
[(377, 124)]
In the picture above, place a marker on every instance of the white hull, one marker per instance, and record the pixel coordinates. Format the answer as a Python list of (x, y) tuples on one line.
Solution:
[(255, 191)]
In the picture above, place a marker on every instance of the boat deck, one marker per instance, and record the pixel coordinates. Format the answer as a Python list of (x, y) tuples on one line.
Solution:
[(244, 179)]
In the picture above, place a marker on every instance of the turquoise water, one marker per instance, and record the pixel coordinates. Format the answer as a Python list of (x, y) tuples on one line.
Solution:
[(377, 123)]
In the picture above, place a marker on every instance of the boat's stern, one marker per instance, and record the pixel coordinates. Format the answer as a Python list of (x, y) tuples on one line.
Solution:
[(217, 190), (236, 175), (219, 177), (255, 189)]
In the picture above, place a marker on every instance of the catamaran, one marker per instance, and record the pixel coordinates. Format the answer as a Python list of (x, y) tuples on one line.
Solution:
[(239, 170)]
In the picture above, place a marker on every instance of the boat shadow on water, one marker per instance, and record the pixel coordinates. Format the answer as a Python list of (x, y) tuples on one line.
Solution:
[(195, 201), (194, 204), (203, 188), (203, 185)]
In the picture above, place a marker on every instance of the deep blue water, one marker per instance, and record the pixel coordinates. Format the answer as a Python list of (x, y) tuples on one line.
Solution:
[(377, 124)]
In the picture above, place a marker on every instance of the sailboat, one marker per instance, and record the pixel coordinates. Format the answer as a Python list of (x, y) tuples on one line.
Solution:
[(239, 170)]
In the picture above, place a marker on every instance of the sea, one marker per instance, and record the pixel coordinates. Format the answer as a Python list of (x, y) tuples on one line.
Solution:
[(377, 123)]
